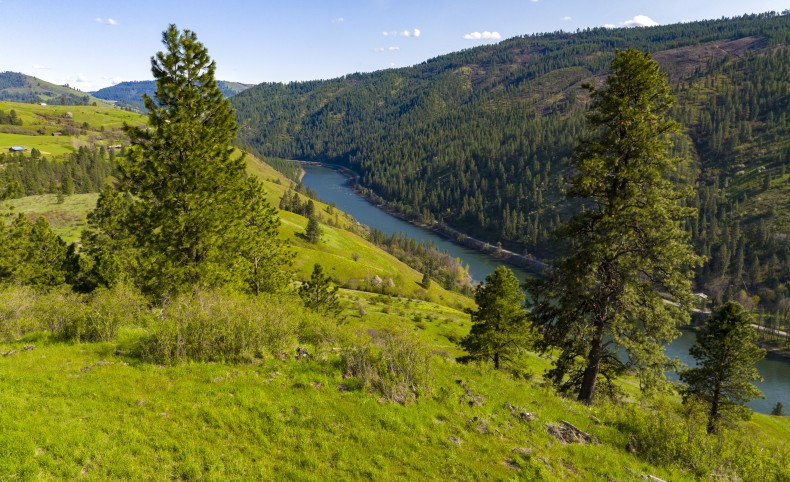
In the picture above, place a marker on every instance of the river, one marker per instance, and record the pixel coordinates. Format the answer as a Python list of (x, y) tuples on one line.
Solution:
[(332, 186)]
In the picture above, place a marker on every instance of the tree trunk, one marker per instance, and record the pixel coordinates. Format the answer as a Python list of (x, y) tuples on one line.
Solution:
[(496, 361), (590, 377), (713, 415)]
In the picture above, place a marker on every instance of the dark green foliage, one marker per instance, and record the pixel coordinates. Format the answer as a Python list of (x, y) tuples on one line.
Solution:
[(726, 353), (500, 324), (31, 254), (778, 410), (16, 87), (194, 216), (10, 118), (626, 249), (313, 231), (426, 281), (318, 294), (81, 172)]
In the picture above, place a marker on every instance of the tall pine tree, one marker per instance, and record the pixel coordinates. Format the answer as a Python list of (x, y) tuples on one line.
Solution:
[(627, 250), (196, 217)]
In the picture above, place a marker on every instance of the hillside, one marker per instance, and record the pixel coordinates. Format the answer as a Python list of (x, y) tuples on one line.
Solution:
[(16, 87), (129, 94), (481, 139)]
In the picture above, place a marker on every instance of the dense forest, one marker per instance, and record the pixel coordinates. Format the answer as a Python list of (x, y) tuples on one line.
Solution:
[(83, 171), (482, 139)]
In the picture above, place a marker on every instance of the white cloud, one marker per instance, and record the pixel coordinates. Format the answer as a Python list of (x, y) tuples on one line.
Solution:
[(567, 18), (393, 48), (640, 21), (338, 20), (485, 35), (106, 21), (41, 67), (415, 33)]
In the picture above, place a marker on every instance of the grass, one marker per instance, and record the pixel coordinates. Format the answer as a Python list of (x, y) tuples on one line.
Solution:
[(67, 219), (78, 411), (91, 124)]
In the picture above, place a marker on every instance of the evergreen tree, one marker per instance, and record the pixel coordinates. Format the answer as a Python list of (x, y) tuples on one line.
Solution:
[(778, 410), (313, 231), (318, 294), (32, 254), (726, 354), (624, 245), (191, 209), (426, 280), (500, 326)]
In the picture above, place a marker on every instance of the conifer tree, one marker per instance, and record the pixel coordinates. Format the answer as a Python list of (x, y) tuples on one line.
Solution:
[(193, 202), (626, 247), (313, 231), (500, 325), (726, 352), (318, 294)]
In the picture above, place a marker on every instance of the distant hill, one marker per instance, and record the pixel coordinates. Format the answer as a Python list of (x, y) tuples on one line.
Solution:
[(481, 139), (17, 87), (129, 94)]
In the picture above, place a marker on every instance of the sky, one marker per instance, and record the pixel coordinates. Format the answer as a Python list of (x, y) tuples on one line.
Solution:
[(90, 44)]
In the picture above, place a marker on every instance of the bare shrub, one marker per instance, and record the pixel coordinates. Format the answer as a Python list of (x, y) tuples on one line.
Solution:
[(395, 364), (16, 312), (212, 326)]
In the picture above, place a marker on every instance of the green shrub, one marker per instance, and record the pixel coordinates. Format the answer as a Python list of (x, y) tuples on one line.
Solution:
[(212, 326), (666, 434), (396, 365), (95, 317)]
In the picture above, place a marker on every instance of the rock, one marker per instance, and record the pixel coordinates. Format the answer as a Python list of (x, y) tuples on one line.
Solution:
[(512, 464), (633, 446), (479, 424), (522, 450), (595, 420), (454, 440), (568, 433), (342, 387), (28, 347), (469, 396), (10, 352), (520, 413), (301, 354)]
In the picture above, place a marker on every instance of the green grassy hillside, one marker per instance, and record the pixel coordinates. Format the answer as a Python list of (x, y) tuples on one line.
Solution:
[(18, 87), (77, 126)]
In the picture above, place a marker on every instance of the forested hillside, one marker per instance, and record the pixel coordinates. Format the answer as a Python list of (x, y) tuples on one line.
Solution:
[(130, 94), (16, 87), (480, 139)]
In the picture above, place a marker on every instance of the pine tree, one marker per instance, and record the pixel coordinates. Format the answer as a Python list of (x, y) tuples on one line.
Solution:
[(192, 203), (726, 353), (778, 410), (426, 280), (500, 326), (318, 294), (625, 244), (313, 231)]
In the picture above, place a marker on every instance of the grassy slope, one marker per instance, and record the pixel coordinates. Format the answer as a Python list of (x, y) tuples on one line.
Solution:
[(104, 127)]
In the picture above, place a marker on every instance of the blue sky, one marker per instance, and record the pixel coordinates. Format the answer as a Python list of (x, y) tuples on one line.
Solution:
[(91, 44)]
